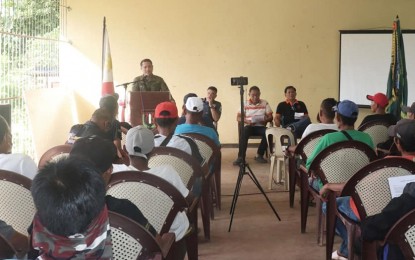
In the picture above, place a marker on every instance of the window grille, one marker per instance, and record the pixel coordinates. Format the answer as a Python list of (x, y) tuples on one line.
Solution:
[(30, 33)]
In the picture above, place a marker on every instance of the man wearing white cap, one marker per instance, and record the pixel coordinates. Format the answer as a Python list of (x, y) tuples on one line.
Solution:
[(139, 142), (194, 114)]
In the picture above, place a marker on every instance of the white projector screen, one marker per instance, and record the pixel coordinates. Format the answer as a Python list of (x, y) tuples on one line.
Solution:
[(365, 58)]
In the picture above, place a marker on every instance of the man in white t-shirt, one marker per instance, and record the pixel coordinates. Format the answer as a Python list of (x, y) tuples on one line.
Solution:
[(326, 116), (139, 142), (19, 163)]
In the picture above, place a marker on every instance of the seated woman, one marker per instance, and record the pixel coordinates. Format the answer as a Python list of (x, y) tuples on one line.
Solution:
[(71, 220)]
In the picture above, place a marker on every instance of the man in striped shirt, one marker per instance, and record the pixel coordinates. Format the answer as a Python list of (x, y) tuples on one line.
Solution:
[(257, 114)]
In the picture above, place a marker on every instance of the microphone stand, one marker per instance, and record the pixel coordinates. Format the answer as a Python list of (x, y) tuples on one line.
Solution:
[(244, 167)]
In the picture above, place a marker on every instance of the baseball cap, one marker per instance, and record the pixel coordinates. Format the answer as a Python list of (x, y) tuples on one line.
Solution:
[(194, 104), (187, 96), (96, 149), (379, 98), (139, 141), (347, 108), (409, 109), (404, 130), (169, 109)]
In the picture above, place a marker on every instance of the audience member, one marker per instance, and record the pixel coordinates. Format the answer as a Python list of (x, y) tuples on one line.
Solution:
[(140, 142), (326, 117), (346, 115), (205, 121), (212, 109), (166, 117), (102, 152), (410, 111), (109, 103), (71, 220), (148, 81), (99, 125), (404, 136), (292, 113), (257, 114), (14, 162), (378, 107), (193, 113)]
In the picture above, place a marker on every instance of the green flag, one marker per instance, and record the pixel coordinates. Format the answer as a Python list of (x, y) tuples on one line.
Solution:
[(397, 89)]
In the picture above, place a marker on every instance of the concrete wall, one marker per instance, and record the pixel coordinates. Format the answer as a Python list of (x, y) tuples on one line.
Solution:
[(194, 44)]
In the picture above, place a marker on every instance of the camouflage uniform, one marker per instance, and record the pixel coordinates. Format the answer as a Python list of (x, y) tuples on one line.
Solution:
[(149, 83)]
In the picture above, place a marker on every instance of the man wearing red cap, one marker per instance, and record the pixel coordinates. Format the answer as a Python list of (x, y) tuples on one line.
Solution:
[(378, 106), (166, 117)]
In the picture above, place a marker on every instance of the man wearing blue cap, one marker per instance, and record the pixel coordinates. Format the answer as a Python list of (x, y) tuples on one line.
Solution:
[(346, 115)]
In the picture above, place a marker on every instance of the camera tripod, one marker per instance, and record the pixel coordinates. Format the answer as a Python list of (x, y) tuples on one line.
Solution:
[(244, 167)]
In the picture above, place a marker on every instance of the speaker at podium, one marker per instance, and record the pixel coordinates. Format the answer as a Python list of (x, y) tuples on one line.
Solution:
[(142, 104)]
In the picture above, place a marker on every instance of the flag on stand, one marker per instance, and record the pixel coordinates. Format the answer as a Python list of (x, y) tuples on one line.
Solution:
[(397, 88), (107, 80)]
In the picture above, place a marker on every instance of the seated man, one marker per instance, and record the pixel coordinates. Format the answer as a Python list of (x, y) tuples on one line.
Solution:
[(212, 109), (71, 220), (378, 108), (404, 138), (166, 117), (205, 121), (98, 125), (257, 114), (193, 114), (292, 113), (102, 152), (14, 162), (326, 117), (346, 116), (139, 142)]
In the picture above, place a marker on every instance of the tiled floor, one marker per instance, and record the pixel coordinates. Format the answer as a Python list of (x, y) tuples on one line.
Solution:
[(256, 233)]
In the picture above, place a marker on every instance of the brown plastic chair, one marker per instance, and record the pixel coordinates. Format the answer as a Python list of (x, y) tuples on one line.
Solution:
[(157, 199), (6, 249), (130, 240), (377, 129), (370, 191), (335, 164), (303, 150), (16, 205), (54, 153), (189, 171), (402, 234), (212, 157)]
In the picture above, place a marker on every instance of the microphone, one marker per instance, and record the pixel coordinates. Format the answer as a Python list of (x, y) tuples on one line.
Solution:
[(126, 84)]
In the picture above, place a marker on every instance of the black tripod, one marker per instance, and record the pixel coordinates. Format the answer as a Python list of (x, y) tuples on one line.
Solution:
[(244, 167)]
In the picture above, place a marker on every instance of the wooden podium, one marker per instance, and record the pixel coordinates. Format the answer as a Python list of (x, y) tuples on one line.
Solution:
[(141, 106)]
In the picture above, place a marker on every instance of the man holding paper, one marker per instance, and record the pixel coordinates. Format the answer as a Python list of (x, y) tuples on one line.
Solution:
[(257, 114), (292, 113)]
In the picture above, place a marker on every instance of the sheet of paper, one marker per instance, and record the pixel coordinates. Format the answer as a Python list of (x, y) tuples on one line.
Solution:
[(298, 115), (257, 119), (397, 184)]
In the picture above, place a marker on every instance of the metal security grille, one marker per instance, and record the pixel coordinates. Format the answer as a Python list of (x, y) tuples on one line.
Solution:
[(30, 33)]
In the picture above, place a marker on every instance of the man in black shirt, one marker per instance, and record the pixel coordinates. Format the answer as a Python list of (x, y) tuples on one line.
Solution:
[(378, 107), (292, 113)]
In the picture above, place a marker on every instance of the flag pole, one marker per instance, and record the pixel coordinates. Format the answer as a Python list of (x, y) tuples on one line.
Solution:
[(103, 50)]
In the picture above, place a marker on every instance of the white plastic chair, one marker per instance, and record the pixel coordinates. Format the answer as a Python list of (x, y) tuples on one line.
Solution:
[(280, 136)]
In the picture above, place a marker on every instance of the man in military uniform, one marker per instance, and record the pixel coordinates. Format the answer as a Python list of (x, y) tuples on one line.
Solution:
[(148, 81)]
